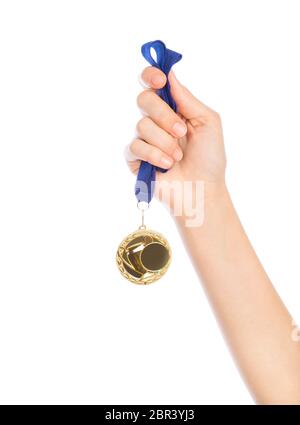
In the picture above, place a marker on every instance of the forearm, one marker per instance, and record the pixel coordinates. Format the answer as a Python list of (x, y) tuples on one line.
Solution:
[(253, 318)]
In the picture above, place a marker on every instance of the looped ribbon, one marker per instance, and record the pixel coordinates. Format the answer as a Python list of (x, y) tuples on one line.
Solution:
[(165, 59)]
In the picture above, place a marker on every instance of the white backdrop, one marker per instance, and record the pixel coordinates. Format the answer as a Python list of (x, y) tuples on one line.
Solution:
[(71, 328)]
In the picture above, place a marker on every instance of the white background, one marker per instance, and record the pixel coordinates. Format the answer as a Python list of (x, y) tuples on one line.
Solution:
[(71, 328)]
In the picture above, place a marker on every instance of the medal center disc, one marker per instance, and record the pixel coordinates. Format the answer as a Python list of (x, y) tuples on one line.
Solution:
[(154, 256)]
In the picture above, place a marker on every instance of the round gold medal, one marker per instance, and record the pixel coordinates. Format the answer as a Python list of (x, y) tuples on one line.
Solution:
[(143, 256)]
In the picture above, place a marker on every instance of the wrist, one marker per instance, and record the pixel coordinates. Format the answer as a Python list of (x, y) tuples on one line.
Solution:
[(220, 230), (198, 206)]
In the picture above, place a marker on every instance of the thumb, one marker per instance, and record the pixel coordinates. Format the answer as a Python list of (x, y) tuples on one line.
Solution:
[(187, 104)]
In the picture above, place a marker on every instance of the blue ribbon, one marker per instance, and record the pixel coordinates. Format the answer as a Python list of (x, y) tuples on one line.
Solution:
[(166, 58)]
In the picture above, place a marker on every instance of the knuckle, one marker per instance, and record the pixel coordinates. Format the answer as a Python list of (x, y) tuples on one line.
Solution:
[(128, 154), (141, 125), (170, 146), (145, 73), (134, 146), (163, 118), (173, 148), (154, 156), (144, 97)]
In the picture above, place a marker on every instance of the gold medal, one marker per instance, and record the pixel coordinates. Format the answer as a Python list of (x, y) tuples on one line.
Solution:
[(143, 256)]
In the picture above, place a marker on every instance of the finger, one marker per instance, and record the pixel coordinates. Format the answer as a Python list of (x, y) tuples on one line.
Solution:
[(132, 161), (156, 136), (153, 77), (188, 105), (161, 113), (142, 150), (129, 156)]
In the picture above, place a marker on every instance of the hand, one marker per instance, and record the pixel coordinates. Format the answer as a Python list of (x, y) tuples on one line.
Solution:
[(188, 143)]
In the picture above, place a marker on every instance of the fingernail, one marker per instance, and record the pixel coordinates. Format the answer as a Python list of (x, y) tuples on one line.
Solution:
[(178, 154), (179, 129), (166, 162), (157, 80)]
